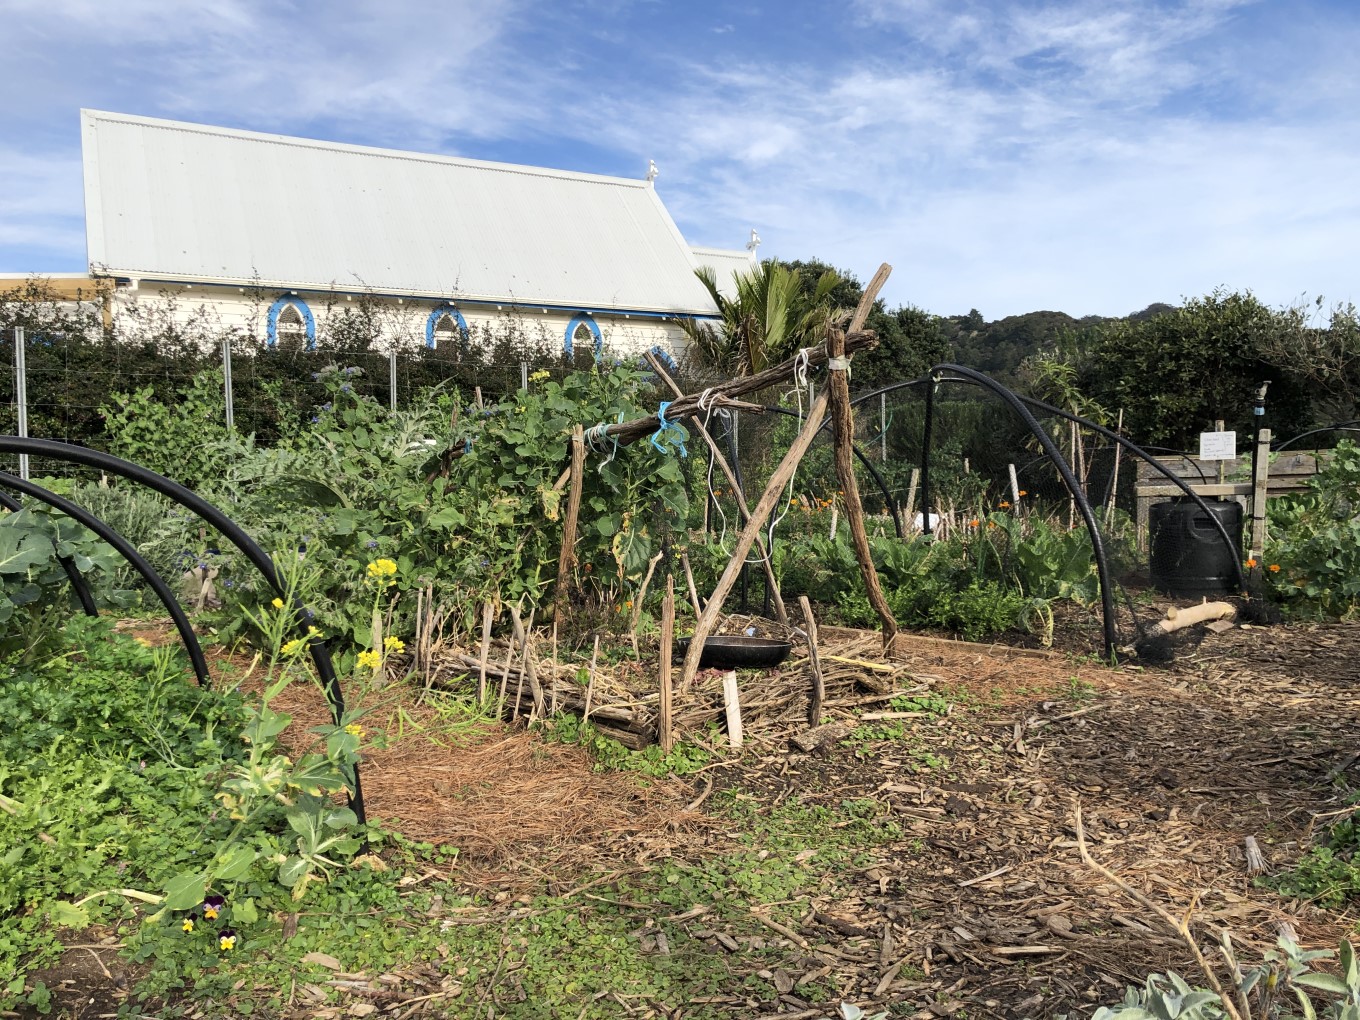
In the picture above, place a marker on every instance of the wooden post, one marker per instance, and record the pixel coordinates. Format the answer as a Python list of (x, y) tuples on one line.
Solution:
[(732, 704), (1015, 484), (689, 580), (667, 735), (590, 680), (843, 423), (908, 512), (1222, 464), (780, 612), (486, 650), (818, 684), (1258, 497), (636, 614), (568, 554)]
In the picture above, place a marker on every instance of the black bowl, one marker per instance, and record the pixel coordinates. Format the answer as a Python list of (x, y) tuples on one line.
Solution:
[(736, 651)]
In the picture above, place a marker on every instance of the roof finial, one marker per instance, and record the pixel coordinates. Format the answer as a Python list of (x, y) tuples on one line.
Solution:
[(754, 243), (652, 172)]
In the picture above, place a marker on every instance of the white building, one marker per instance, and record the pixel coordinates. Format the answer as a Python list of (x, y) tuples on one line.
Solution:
[(276, 236)]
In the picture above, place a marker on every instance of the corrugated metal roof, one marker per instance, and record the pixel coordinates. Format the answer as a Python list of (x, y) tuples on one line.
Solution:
[(177, 201), (725, 263)]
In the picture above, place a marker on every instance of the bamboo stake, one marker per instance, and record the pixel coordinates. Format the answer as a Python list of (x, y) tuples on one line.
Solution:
[(780, 612), (567, 556), (486, 650), (1015, 485), (815, 661), (554, 670), (505, 675), (908, 514), (843, 424), (666, 723)]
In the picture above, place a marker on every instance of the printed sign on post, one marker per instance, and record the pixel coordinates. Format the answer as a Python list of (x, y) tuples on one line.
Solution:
[(1218, 446)]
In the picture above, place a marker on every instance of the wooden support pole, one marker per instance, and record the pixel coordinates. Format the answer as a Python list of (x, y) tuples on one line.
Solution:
[(567, 557), (814, 716), (732, 705), (843, 424), (665, 723), (780, 612), (909, 511), (1258, 497), (1114, 479), (689, 580), (774, 491)]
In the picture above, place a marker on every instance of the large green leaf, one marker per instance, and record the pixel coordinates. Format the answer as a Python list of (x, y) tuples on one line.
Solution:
[(21, 549)]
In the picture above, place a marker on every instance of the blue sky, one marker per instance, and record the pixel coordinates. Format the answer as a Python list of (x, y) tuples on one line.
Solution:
[(1089, 156)]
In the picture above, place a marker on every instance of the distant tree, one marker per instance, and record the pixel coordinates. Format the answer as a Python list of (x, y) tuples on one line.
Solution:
[(1152, 311)]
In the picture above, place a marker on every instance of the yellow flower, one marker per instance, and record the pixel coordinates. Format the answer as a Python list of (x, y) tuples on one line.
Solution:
[(540, 375), (188, 924), (277, 603), (394, 644), (227, 943), (370, 660), (380, 570), (354, 730), (293, 647)]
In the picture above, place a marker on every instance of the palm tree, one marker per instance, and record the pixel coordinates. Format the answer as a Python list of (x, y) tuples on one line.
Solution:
[(771, 316)]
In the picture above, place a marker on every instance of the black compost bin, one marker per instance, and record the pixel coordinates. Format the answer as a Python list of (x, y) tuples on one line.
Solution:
[(1187, 554)]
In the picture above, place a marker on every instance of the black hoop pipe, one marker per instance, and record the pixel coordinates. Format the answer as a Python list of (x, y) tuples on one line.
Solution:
[(125, 549), (1017, 404), (321, 656), (68, 565), (1127, 444), (868, 465), (1345, 426)]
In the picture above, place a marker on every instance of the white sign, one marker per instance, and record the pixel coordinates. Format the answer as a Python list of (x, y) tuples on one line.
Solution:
[(1218, 446)]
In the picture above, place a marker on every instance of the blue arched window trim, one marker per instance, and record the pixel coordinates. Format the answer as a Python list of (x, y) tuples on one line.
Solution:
[(276, 309), (664, 356), (583, 319), (438, 314)]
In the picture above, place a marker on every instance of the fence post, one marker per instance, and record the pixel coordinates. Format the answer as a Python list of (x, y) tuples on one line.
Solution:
[(524, 375), (226, 384), (392, 376), (21, 392)]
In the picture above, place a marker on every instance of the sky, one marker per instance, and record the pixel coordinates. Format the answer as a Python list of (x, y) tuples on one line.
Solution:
[(1085, 156)]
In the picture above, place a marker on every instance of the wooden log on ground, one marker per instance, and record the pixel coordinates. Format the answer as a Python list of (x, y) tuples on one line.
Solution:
[(1178, 619), (843, 425), (821, 736)]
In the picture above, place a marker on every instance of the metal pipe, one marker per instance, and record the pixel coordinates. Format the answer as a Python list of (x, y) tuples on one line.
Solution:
[(21, 392), (226, 384)]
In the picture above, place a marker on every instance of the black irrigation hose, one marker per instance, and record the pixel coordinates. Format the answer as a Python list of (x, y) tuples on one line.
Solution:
[(125, 549), (78, 584), (1345, 426), (1017, 404), (321, 656)]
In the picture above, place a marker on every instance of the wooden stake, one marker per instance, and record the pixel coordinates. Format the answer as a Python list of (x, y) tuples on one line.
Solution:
[(1114, 481), (567, 556), (636, 614), (815, 660), (522, 636), (689, 580), (486, 650), (590, 680), (667, 735), (1015, 485), (843, 423), (505, 676), (780, 612), (732, 704), (554, 670), (909, 512)]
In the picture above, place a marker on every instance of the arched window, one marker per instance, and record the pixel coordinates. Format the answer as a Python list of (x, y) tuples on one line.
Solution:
[(444, 326), (582, 331), (664, 356), (290, 324)]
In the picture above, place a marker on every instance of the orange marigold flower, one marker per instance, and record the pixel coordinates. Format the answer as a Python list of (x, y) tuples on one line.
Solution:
[(1004, 504), (1251, 564), (1022, 492), (991, 524), (974, 522), (1274, 568)]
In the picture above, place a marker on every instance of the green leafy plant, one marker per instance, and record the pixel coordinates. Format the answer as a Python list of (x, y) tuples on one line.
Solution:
[(1312, 561)]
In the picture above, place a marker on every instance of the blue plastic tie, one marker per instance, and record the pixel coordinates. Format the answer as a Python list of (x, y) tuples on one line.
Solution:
[(656, 436)]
